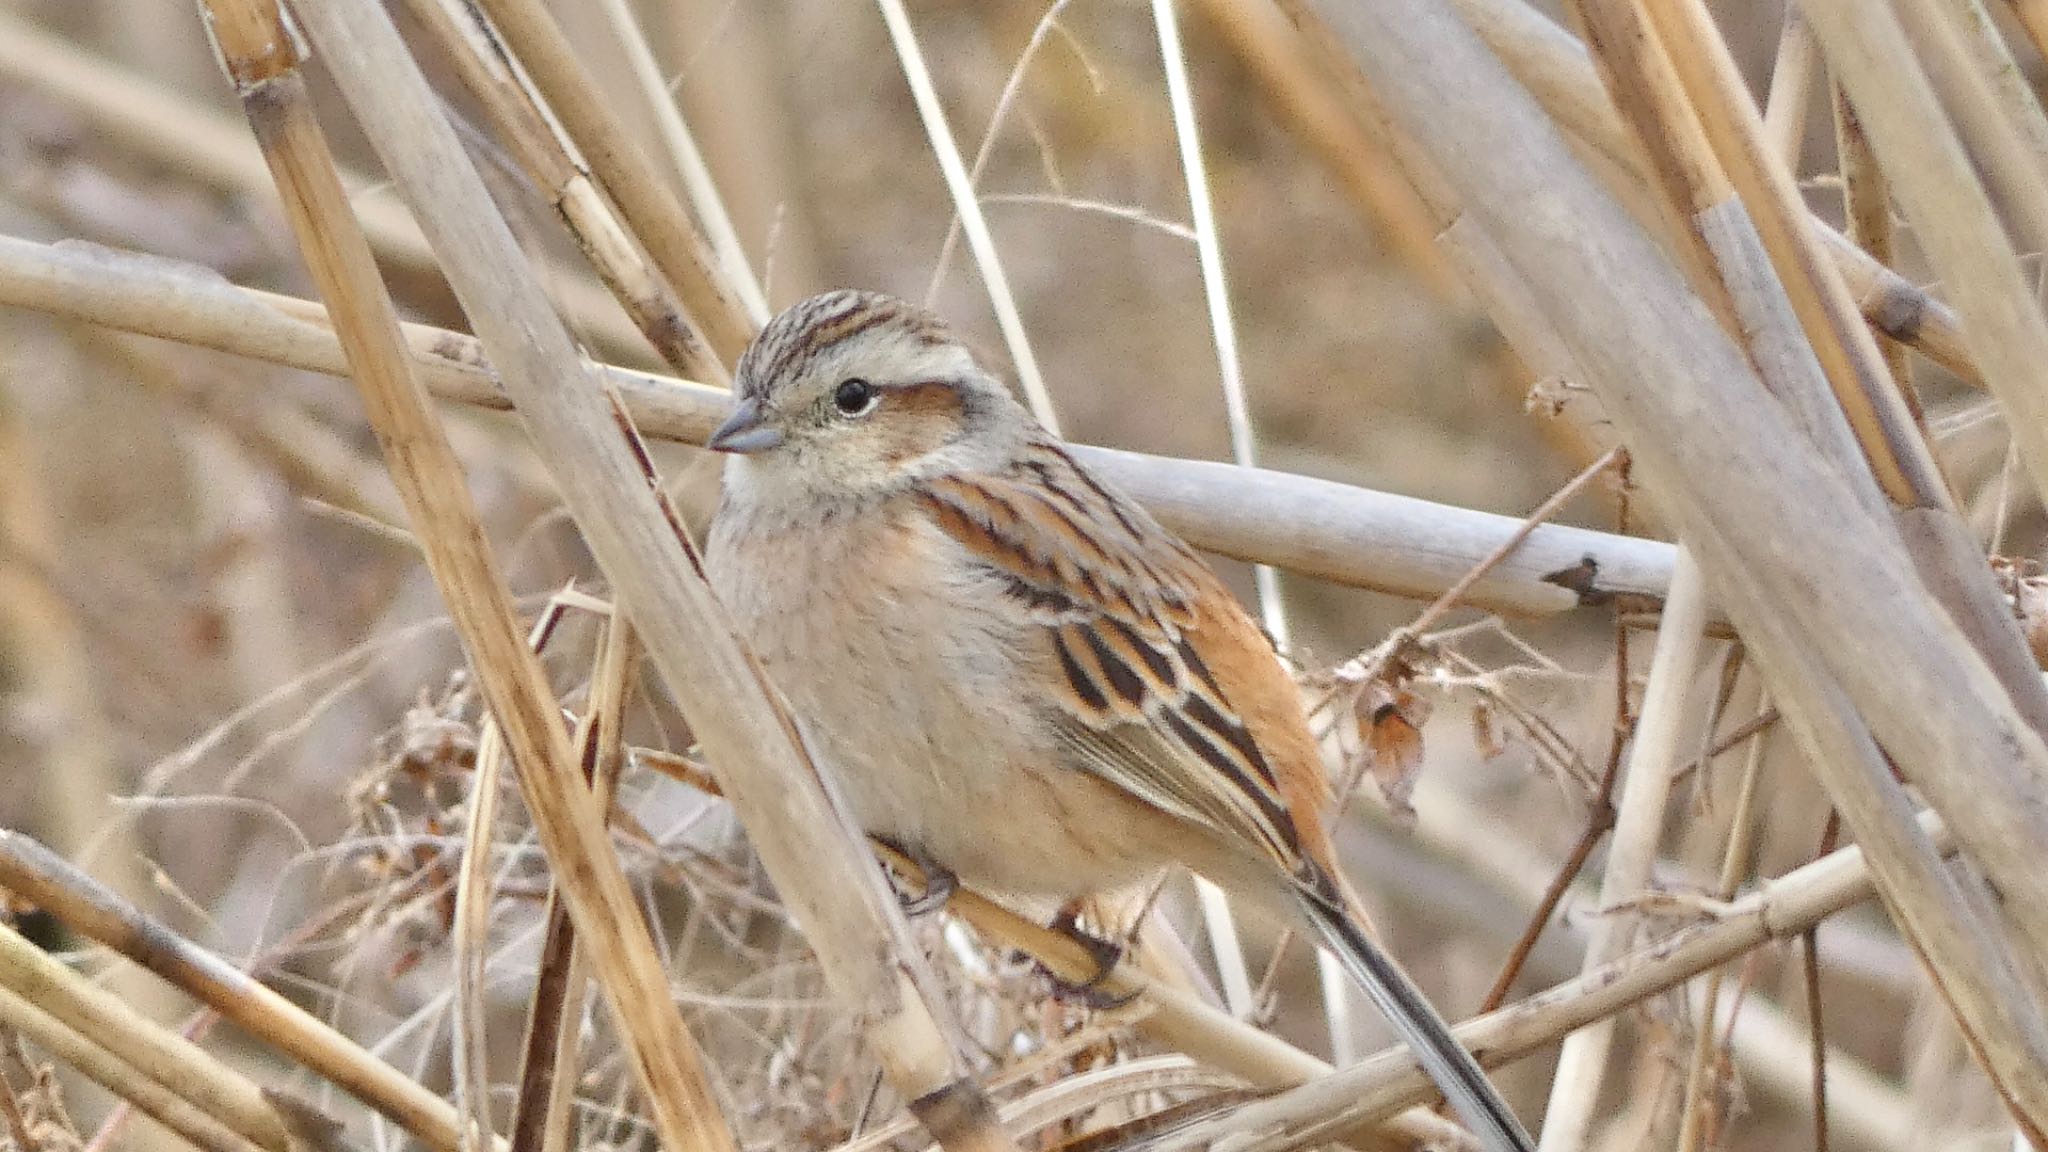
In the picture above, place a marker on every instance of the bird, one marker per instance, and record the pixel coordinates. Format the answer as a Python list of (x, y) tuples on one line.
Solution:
[(1010, 670)]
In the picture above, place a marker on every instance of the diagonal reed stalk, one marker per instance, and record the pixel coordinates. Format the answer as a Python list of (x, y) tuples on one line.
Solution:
[(650, 211), (261, 56), (516, 115)]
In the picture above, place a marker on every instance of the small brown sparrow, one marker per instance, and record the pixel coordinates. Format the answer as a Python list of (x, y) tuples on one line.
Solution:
[(1012, 670)]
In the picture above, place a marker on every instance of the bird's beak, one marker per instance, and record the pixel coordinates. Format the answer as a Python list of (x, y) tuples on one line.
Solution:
[(743, 431)]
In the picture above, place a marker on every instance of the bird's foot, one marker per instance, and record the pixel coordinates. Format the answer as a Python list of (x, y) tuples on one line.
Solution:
[(1106, 954), (939, 881)]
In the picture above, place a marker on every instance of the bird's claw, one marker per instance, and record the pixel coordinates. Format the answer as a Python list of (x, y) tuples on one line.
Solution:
[(1106, 954), (939, 882)]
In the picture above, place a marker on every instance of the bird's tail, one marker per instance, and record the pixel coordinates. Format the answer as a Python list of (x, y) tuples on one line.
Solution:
[(1453, 1069)]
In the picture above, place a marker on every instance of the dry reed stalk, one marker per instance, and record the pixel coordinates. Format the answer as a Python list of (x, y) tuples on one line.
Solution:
[(1390, 1080), (946, 151), (2033, 19), (1791, 90), (1215, 903), (689, 162), (1877, 416), (1686, 177), (469, 946), (650, 210), (104, 1020), (1833, 332), (1933, 183), (1722, 454), (90, 909), (585, 439), (43, 628), (1867, 211), (550, 1055), (1988, 104), (1558, 72), (1261, 39), (515, 115), (157, 122), (261, 56), (1938, 192), (191, 1122), (1351, 143), (1317, 528), (1735, 862), (1639, 823)]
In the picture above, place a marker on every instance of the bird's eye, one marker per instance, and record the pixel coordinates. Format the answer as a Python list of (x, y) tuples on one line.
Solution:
[(855, 397)]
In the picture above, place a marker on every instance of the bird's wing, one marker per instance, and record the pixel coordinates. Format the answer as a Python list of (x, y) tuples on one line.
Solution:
[(1166, 689)]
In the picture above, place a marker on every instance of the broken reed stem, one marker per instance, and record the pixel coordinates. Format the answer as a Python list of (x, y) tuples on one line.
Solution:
[(176, 1111), (650, 210), (585, 439), (105, 1021), (1867, 212), (1317, 528), (1328, 1106), (514, 114), (261, 56), (87, 907), (1582, 1064), (1937, 191), (1834, 331)]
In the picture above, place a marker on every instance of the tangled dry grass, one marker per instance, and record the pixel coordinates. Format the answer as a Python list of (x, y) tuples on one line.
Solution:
[(1588, 762)]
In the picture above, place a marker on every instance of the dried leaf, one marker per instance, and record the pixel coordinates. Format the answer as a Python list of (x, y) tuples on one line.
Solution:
[(1488, 735), (1390, 720), (2028, 592)]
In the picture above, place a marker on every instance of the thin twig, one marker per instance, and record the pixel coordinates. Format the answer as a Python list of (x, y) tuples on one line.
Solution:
[(947, 151), (1647, 785)]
